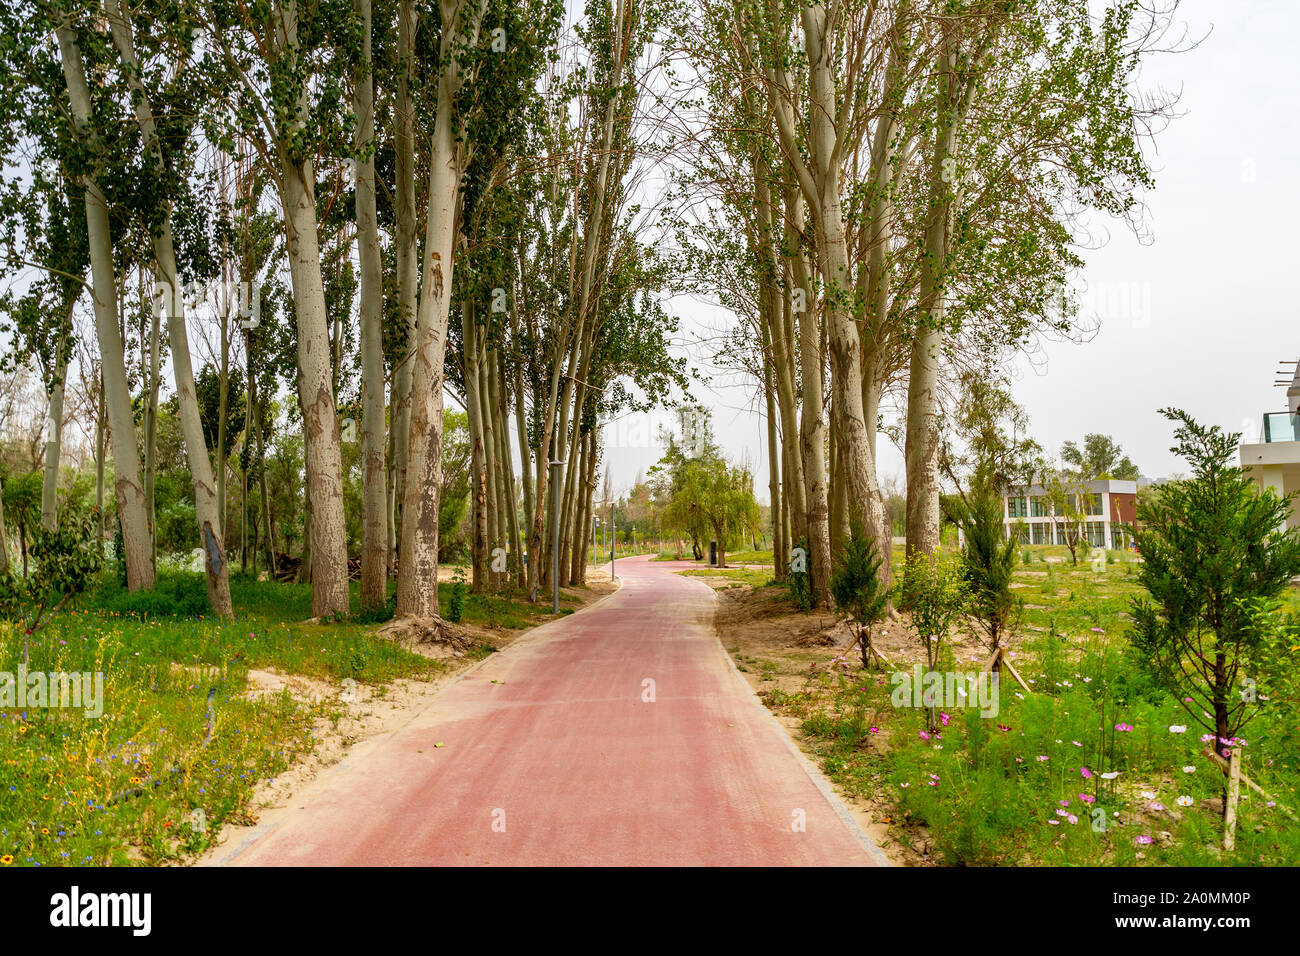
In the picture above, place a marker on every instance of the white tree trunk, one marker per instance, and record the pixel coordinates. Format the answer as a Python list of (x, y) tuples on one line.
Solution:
[(417, 578), (922, 446), (117, 395), (54, 434), (206, 502)]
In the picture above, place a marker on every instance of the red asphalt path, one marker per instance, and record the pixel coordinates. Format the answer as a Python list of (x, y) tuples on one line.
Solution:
[(562, 761)]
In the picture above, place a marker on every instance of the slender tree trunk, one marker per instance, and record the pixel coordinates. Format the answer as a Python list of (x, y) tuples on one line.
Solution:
[(417, 579), (374, 525), (126, 460), (820, 183), (4, 535), (207, 503), (773, 474), (54, 428), (151, 436), (326, 542), (101, 451), (405, 252), (495, 520), (505, 457), (478, 457), (922, 448), (812, 430)]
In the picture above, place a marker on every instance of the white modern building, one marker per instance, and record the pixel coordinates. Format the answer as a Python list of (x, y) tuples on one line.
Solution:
[(1109, 504), (1274, 461)]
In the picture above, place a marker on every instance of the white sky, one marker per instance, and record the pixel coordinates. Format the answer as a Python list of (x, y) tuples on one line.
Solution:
[(1198, 317)]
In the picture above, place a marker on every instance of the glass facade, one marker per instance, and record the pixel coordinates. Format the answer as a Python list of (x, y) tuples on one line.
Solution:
[(1039, 507), (1018, 507), (1281, 426), (1042, 532), (1094, 532)]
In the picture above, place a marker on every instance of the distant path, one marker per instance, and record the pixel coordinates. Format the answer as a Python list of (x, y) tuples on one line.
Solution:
[(565, 755)]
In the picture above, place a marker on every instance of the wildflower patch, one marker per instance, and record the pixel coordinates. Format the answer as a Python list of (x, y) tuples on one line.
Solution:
[(949, 689)]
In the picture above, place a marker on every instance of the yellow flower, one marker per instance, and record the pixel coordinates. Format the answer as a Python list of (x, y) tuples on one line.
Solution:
[(6, 860), (45, 829)]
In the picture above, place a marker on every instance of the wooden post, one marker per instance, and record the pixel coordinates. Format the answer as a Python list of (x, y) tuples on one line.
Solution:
[(1000, 654), (1234, 793)]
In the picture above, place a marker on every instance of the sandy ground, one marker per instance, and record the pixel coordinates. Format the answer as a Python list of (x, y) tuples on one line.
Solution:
[(361, 712)]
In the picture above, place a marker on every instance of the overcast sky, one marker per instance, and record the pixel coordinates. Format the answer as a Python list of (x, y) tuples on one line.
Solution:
[(1198, 316)]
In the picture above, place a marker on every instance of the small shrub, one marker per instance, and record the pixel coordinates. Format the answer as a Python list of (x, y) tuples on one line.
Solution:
[(459, 591)]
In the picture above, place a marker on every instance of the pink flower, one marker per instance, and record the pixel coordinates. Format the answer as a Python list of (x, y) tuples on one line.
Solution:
[(1145, 840), (1123, 728), (1085, 771), (1072, 819), (1087, 798)]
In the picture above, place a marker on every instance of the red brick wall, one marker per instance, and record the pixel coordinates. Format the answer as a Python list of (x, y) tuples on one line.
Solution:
[(1123, 507)]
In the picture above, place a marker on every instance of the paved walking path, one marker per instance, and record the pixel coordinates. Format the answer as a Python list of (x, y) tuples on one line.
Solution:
[(551, 755)]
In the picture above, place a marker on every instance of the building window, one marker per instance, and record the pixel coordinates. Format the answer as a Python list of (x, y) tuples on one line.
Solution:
[(1039, 507), (1092, 504), (1094, 532), (1119, 536), (1017, 507), (1042, 533)]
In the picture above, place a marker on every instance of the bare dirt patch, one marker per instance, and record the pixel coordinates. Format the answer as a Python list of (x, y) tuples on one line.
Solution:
[(783, 652)]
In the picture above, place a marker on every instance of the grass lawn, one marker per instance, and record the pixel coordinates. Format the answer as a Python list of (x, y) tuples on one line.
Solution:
[(126, 787), (754, 577), (1082, 770)]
